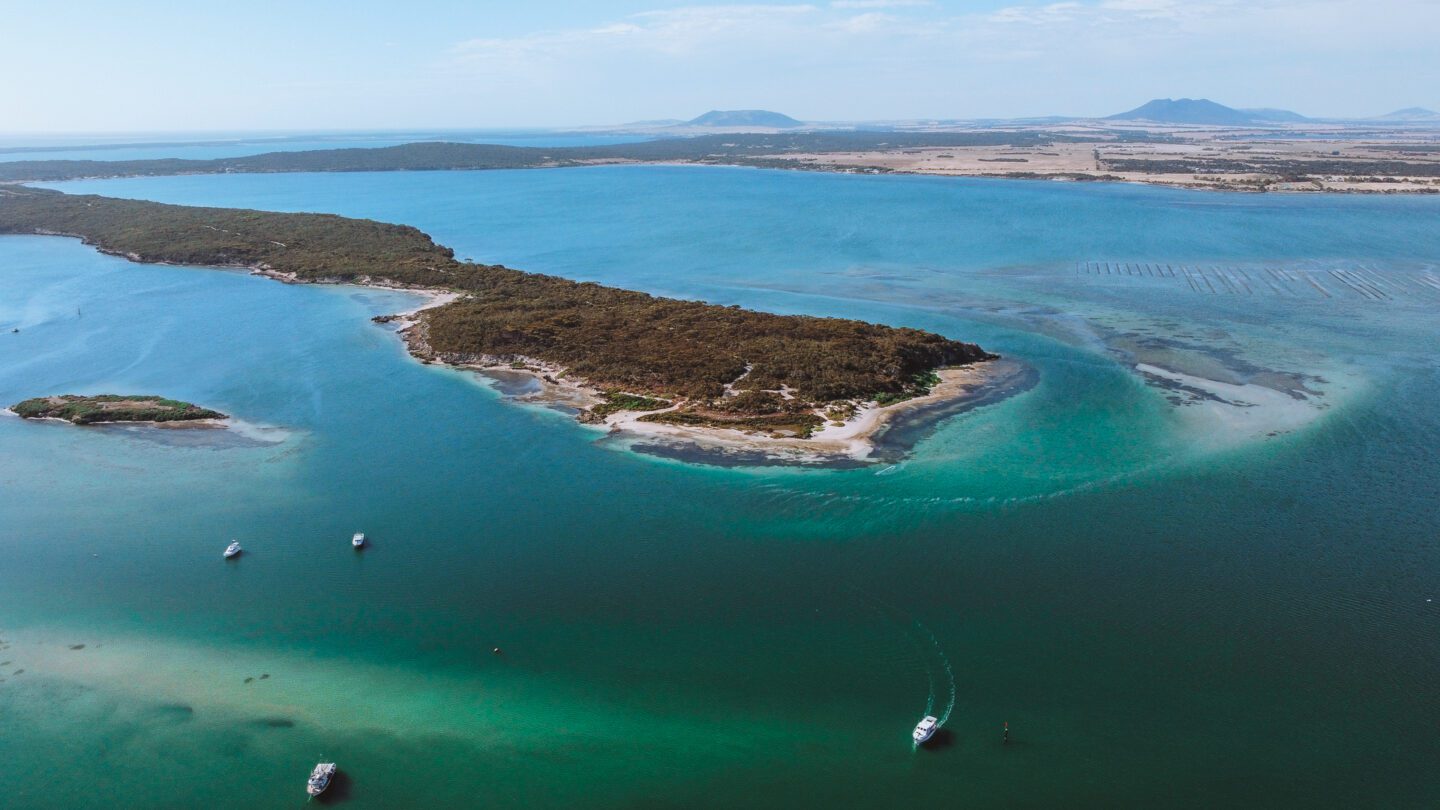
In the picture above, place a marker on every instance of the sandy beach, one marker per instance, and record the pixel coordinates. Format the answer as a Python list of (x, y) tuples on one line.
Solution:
[(433, 297), (854, 439)]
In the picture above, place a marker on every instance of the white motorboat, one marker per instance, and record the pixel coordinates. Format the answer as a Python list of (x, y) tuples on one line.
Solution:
[(320, 778), (358, 540), (925, 729), (232, 549)]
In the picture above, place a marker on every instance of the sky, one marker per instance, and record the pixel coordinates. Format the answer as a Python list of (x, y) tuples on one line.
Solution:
[(153, 66)]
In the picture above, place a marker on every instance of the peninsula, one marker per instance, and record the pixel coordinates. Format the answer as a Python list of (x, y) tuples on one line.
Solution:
[(103, 408), (619, 355)]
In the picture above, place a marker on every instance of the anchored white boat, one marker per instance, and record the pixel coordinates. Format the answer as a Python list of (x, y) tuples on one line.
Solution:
[(232, 549), (925, 729), (320, 778), (358, 540)]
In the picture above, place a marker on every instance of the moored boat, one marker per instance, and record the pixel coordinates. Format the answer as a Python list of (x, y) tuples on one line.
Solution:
[(320, 778), (358, 540), (232, 549), (925, 729)]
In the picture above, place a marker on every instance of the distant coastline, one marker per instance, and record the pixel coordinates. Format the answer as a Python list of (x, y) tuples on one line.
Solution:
[(1248, 160)]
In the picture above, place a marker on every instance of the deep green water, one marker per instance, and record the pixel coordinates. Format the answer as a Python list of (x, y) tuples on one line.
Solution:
[(1170, 605)]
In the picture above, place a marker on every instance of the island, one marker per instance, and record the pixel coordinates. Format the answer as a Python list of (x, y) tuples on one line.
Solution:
[(105, 408), (621, 358)]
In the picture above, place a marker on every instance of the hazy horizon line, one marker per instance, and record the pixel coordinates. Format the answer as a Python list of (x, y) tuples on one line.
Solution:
[(579, 127)]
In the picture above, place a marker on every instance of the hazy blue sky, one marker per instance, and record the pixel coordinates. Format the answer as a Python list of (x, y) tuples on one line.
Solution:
[(199, 65)]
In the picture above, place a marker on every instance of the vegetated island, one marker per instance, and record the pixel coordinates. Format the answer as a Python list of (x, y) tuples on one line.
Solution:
[(625, 359), (105, 408)]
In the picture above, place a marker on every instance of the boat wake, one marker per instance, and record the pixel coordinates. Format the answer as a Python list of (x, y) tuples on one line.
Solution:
[(944, 676), (939, 674)]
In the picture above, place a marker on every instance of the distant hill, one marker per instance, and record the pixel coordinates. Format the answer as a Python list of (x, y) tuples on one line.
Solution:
[(744, 118), (1411, 114), (1193, 111), (1272, 114)]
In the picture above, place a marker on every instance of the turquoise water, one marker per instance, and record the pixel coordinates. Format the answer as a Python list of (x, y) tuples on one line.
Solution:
[(1171, 604)]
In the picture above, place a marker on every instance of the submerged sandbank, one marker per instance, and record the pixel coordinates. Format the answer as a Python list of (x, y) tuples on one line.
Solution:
[(1235, 411)]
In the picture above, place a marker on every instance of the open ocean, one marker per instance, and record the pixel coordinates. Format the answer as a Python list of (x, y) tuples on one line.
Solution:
[(1218, 584)]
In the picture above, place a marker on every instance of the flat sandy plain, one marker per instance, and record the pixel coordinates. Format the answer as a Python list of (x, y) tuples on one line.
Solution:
[(1333, 158)]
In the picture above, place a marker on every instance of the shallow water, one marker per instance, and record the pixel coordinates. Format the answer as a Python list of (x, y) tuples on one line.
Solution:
[(1170, 605)]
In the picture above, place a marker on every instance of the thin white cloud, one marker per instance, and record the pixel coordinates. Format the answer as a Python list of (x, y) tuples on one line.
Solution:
[(1151, 6), (860, 4), (863, 23), (1038, 15), (673, 32), (815, 59)]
